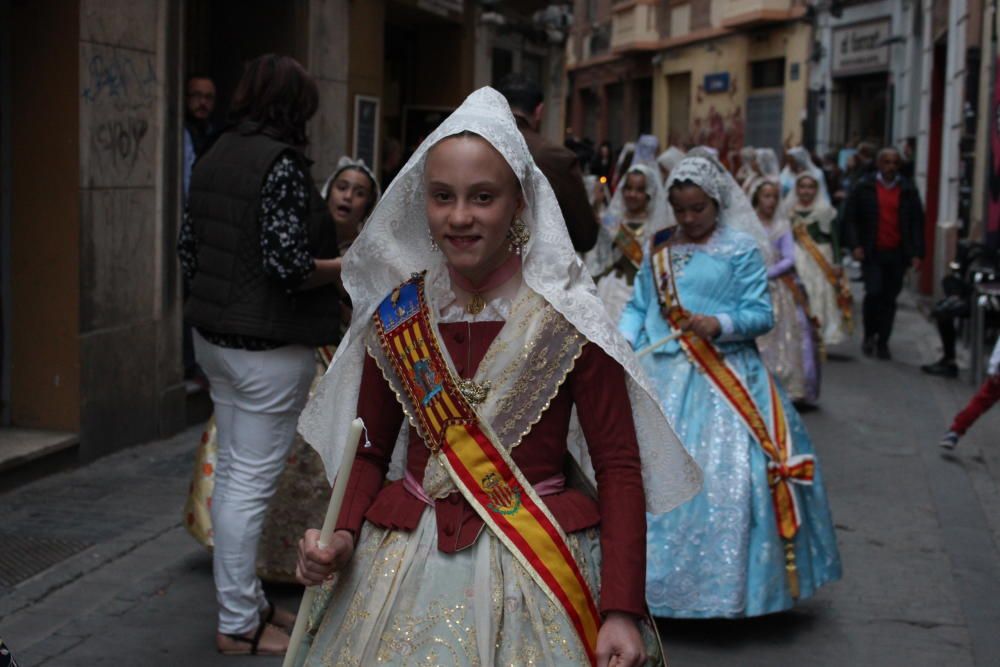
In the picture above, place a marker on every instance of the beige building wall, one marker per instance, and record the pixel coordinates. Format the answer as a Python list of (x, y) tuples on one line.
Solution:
[(718, 118)]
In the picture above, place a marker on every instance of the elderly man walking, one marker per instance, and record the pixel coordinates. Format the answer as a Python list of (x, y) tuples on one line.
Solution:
[(884, 224)]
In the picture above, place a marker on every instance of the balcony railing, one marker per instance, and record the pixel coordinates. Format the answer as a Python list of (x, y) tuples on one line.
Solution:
[(743, 13)]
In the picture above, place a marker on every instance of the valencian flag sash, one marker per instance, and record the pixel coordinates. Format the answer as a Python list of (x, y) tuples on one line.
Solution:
[(484, 472), (784, 468), (628, 241), (844, 299)]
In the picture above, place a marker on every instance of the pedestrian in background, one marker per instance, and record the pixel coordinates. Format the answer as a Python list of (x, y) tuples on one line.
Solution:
[(603, 163), (199, 133), (260, 252), (559, 164), (884, 224), (988, 394)]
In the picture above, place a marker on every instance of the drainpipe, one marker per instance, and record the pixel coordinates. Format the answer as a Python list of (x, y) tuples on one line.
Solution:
[(951, 138), (984, 119)]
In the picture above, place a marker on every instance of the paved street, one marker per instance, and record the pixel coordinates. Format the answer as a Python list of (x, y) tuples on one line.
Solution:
[(918, 533)]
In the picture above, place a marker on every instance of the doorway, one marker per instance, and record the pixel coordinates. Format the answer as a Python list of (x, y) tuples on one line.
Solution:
[(861, 104), (678, 109), (39, 232)]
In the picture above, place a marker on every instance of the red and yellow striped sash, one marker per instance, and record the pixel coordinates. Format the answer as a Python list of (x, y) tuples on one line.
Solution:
[(484, 472), (844, 299), (783, 468)]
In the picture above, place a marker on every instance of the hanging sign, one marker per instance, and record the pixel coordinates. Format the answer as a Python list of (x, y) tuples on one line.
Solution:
[(861, 48)]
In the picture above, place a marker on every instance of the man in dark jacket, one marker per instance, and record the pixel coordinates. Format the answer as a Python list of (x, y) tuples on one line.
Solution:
[(884, 224), (560, 165)]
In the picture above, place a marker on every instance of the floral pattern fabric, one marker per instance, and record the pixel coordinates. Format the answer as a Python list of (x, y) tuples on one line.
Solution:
[(284, 206)]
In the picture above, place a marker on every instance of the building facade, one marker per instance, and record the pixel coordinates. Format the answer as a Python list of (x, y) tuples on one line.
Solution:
[(717, 72), (911, 74), (91, 121)]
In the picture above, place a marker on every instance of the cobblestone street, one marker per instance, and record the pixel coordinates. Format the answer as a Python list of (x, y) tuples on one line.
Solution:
[(918, 532)]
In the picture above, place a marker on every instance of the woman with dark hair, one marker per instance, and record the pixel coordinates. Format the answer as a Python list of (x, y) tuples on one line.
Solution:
[(260, 253), (603, 162)]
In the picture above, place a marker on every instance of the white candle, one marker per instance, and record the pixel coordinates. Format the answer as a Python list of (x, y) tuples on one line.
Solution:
[(325, 535), (663, 341)]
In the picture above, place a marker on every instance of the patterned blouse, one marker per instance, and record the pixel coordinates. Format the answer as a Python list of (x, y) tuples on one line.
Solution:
[(284, 206)]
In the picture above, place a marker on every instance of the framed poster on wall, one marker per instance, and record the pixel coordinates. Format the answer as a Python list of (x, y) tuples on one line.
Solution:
[(366, 122)]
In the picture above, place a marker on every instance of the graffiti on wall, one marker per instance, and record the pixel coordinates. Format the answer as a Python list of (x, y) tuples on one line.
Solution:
[(128, 81), (722, 131), (120, 92)]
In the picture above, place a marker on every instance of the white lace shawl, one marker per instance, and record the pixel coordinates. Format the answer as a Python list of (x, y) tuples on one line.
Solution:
[(394, 244), (735, 210)]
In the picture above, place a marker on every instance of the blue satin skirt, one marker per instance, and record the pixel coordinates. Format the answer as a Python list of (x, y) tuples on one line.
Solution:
[(720, 555)]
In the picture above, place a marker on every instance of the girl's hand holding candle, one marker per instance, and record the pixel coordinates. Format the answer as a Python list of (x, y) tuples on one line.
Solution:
[(317, 564)]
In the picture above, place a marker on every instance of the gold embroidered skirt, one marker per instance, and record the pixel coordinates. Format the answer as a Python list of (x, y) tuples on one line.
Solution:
[(402, 602)]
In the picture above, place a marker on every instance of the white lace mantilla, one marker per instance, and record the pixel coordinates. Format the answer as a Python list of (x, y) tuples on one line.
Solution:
[(394, 244)]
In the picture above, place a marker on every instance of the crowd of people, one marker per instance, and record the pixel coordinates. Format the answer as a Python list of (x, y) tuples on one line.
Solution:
[(580, 382)]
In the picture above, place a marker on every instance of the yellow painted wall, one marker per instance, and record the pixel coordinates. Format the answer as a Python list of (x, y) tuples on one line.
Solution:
[(734, 53)]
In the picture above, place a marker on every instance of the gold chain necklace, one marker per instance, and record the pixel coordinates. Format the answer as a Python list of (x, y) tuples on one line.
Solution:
[(475, 392)]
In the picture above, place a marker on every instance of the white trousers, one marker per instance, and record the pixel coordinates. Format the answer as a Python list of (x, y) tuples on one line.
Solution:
[(258, 397)]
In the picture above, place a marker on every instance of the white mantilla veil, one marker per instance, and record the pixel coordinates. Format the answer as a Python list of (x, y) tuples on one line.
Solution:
[(657, 211), (735, 211), (394, 244), (800, 156)]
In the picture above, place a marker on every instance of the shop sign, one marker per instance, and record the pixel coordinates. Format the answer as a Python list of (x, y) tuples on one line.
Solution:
[(716, 83), (861, 48)]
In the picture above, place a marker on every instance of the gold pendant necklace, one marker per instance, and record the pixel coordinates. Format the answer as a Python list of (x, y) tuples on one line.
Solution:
[(476, 304), (475, 392)]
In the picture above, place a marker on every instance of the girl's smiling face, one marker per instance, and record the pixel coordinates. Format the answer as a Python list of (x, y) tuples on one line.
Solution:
[(634, 193), (472, 197), (806, 189)]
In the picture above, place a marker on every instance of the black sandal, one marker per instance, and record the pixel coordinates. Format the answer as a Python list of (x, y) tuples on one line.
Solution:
[(268, 615), (253, 642)]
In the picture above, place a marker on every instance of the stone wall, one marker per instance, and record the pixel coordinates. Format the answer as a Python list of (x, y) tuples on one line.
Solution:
[(327, 62), (131, 383)]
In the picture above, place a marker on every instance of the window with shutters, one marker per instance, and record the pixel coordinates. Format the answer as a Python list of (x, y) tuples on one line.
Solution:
[(701, 14)]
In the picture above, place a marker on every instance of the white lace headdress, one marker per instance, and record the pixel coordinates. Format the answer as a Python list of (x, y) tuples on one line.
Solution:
[(657, 212), (779, 223), (735, 210), (394, 244), (669, 158), (800, 156), (346, 162), (767, 163), (646, 148)]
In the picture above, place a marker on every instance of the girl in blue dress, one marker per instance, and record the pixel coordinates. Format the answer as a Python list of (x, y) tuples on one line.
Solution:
[(759, 535)]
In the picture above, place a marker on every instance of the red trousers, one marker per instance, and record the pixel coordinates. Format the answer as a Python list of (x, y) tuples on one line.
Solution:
[(988, 394)]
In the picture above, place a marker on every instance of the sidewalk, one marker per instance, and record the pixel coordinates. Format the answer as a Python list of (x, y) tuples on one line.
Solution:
[(918, 531), (140, 595)]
